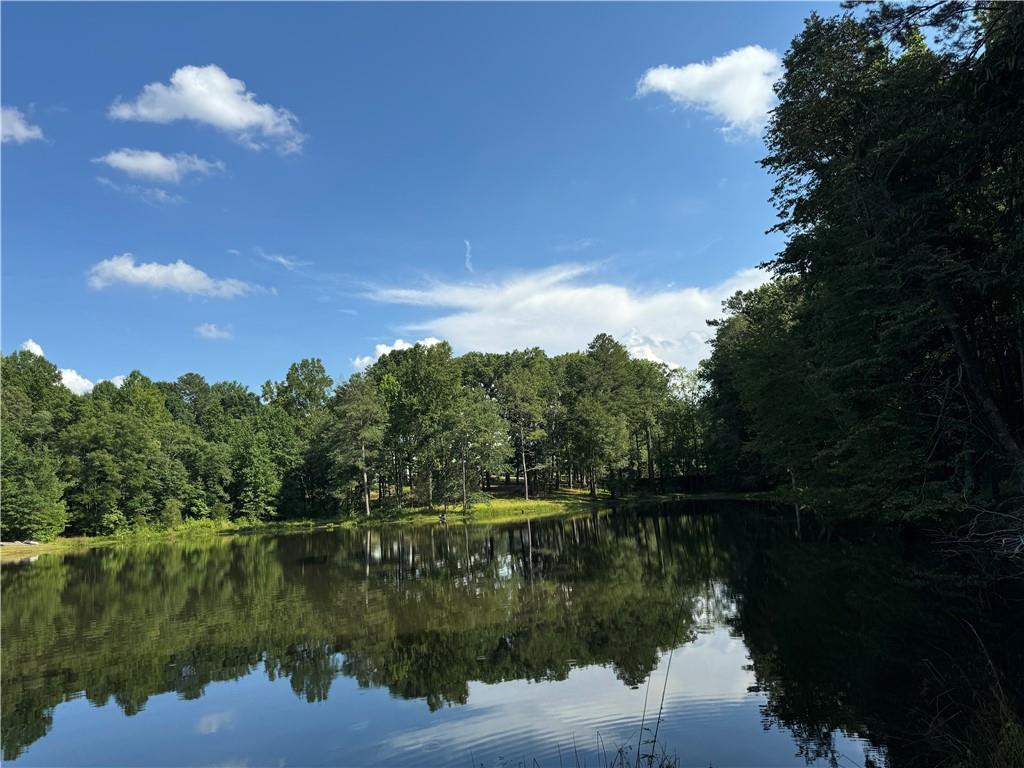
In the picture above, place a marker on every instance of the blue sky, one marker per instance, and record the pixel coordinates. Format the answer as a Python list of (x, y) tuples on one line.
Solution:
[(228, 188)]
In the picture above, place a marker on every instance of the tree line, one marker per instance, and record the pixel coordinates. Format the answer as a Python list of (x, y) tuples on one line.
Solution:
[(880, 373), (419, 428)]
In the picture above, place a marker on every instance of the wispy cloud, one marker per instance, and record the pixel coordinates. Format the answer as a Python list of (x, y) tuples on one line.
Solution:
[(213, 332), (151, 195), (14, 126), (208, 95), (178, 276), (156, 166), (469, 256), (574, 246), (285, 261), (561, 310), (736, 88)]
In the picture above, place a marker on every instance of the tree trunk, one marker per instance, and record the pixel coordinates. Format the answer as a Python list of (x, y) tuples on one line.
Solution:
[(977, 381), (366, 482), (522, 450), (661, 469), (650, 457), (796, 501), (430, 488), (398, 481), (465, 502)]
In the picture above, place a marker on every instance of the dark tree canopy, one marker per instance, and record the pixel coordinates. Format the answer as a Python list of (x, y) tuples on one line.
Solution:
[(882, 371)]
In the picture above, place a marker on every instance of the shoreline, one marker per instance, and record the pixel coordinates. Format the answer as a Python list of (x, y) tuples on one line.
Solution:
[(498, 511)]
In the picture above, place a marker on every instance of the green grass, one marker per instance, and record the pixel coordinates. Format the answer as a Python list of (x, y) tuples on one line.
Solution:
[(65, 544), (498, 510), (493, 511)]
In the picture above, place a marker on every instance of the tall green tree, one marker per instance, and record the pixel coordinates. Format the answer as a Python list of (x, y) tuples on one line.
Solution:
[(520, 391), (256, 479), (33, 502), (34, 406), (882, 371), (479, 436), (360, 423)]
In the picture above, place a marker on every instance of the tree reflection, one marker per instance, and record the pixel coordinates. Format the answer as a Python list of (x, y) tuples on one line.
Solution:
[(839, 639)]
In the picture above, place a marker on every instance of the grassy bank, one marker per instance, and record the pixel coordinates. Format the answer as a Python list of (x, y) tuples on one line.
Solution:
[(499, 510), (14, 551), (492, 511)]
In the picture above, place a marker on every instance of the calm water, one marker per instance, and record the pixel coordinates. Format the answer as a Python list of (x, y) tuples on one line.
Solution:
[(481, 645)]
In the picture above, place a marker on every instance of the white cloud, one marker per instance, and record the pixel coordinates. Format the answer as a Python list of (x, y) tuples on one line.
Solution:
[(363, 361), (468, 256), (69, 377), (736, 87), (157, 166), (80, 385), (285, 261), (215, 721), (557, 310), (208, 95), (75, 381), (213, 331), (151, 195), (31, 346), (15, 127), (176, 276)]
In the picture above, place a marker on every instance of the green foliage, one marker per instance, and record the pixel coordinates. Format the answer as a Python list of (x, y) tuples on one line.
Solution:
[(33, 505), (880, 373), (256, 477), (34, 406), (420, 427), (356, 437)]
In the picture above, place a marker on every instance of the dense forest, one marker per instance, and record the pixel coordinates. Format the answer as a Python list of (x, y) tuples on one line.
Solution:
[(878, 375), (418, 428), (881, 372)]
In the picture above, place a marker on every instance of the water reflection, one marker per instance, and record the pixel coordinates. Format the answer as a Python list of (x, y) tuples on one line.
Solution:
[(431, 644)]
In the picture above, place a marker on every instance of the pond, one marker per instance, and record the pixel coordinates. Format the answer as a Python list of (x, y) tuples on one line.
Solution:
[(554, 643)]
